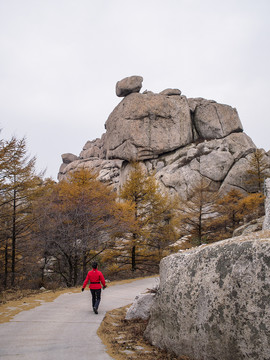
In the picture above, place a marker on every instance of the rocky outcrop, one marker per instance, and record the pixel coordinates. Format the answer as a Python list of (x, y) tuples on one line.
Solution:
[(213, 301), (181, 139)]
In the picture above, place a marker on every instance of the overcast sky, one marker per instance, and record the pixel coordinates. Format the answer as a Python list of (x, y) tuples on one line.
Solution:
[(60, 61)]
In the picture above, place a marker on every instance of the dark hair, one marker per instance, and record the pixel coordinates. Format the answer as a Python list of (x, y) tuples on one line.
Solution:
[(94, 265)]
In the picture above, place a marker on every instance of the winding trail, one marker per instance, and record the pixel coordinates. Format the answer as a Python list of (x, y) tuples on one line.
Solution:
[(65, 328)]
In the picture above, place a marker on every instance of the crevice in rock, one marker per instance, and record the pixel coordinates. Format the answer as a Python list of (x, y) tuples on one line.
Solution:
[(195, 132)]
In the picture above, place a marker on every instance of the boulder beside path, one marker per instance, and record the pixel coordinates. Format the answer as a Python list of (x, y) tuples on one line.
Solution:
[(213, 301)]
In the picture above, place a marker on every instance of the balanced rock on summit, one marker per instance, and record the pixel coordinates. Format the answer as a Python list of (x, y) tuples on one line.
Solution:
[(128, 85)]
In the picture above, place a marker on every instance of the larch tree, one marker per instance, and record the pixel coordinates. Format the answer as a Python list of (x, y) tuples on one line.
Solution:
[(19, 185), (79, 219), (154, 222), (258, 171), (197, 212), (233, 209)]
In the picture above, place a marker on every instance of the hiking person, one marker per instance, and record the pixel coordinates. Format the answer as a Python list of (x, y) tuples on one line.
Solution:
[(95, 277)]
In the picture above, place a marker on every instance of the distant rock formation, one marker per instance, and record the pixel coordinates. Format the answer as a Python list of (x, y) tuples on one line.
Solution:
[(213, 301), (182, 139)]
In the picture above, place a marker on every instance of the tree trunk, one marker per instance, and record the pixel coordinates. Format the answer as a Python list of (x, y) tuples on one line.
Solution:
[(70, 273), (6, 264), (13, 249), (75, 278), (84, 267), (133, 258)]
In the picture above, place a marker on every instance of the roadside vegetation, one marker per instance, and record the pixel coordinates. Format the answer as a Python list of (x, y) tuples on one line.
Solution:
[(50, 232), (124, 338)]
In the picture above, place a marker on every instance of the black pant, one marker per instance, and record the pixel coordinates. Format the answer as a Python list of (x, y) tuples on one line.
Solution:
[(96, 293)]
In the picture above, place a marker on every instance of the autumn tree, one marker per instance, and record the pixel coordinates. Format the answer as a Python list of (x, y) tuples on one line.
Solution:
[(153, 229), (79, 219), (232, 209), (258, 171), (229, 214), (19, 185), (197, 211)]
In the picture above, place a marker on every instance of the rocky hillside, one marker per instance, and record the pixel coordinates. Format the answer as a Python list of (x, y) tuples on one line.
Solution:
[(182, 139)]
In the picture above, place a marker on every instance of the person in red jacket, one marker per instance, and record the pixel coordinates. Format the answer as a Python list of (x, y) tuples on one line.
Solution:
[(95, 277)]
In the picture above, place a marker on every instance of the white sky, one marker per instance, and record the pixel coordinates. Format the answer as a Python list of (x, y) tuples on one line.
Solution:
[(60, 61)]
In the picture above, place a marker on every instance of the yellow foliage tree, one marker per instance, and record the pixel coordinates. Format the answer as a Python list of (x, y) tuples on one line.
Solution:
[(259, 170), (154, 223), (19, 186), (79, 219), (197, 212), (232, 209)]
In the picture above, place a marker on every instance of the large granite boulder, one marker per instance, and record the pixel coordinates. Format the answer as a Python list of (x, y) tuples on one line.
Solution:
[(213, 301), (213, 120), (143, 126)]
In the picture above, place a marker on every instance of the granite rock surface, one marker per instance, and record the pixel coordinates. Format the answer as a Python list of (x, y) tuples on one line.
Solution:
[(213, 301)]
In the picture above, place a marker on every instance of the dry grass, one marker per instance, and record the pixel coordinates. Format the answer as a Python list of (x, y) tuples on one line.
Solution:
[(13, 302), (124, 338)]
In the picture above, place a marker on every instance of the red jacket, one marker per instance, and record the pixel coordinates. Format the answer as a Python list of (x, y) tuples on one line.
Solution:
[(95, 277)]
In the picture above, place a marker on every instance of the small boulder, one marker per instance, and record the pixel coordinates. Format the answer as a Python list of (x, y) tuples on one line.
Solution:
[(128, 85), (171, 92), (68, 158), (140, 309)]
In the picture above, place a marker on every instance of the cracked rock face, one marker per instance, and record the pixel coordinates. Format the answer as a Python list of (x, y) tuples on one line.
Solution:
[(213, 301), (213, 120), (182, 140), (143, 126)]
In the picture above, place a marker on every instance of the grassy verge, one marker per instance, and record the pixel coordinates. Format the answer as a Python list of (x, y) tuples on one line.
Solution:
[(15, 302), (124, 338)]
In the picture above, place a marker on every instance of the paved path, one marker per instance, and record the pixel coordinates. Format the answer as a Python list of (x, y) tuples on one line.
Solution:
[(65, 328)]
